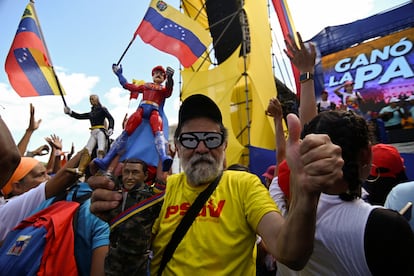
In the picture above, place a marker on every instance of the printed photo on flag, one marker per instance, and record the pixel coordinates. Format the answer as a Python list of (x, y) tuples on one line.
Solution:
[(173, 32)]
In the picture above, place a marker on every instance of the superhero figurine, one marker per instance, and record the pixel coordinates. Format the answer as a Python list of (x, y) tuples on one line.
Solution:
[(153, 96)]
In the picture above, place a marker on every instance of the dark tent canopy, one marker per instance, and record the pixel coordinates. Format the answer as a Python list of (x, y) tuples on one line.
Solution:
[(336, 38)]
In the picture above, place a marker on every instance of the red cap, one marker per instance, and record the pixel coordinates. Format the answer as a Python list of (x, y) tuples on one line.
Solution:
[(270, 172), (349, 83), (388, 159), (158, 68), (283, 178)]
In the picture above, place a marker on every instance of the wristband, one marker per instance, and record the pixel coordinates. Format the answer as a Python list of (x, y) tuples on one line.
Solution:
[(305, 77)]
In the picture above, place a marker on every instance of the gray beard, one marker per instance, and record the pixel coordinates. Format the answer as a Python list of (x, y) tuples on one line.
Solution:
[(202, 168)]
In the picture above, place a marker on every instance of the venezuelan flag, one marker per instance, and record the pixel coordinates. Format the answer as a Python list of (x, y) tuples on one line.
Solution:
[(27, 64), (288, 28), (285, 18), (172, 32)]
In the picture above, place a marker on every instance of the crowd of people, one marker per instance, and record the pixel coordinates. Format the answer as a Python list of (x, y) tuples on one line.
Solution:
[(393, 114), (320, 212)]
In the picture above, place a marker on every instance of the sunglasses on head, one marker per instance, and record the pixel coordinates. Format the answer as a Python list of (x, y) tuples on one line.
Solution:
[(190, 140)]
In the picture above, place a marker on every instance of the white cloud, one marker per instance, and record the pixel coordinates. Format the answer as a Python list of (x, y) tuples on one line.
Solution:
[(15, 111)]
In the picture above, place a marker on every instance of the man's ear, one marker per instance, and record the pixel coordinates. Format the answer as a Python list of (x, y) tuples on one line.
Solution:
[(225, 144), (177, 149)]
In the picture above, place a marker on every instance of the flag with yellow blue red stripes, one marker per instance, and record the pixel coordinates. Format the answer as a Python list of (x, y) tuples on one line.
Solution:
[(28, 65)]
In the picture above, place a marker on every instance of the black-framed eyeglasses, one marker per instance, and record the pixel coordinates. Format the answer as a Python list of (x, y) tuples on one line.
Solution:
[(190, 140)]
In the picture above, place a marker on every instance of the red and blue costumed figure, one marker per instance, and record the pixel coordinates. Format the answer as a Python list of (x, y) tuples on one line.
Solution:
[(153, 97)]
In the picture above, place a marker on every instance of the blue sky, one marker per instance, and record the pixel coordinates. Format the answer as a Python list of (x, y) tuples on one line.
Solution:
[(85, 37)]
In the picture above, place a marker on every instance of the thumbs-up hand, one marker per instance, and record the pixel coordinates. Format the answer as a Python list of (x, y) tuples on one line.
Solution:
[(315, 162)]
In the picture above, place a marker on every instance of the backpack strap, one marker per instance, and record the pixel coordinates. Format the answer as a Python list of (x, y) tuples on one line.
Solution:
[(186, 222), (63, 195), (75, 198)]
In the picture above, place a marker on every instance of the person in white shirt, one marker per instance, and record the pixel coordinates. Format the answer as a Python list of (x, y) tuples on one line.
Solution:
[(324, 104)]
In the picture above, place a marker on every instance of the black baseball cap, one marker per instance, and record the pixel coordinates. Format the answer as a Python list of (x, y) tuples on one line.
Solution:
[(198, 106)]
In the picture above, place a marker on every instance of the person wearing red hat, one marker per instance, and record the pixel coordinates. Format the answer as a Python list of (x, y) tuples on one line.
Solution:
[(280, 188), (350, 98), (153, 97), (387, 171), (268, 175), (351, 234)]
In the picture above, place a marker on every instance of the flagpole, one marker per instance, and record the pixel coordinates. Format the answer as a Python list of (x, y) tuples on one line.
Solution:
[(60, 88), (47, 52), (123, 54)]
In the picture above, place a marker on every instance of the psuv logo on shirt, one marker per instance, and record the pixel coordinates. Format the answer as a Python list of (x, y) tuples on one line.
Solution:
[(20, 244), (208, 210)]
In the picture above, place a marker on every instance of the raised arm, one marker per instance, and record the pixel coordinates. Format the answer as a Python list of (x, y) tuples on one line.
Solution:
[(315, 164), (55, 143), (62, 179), (304, 60), (336, 90), (33, 125), (274, 109)]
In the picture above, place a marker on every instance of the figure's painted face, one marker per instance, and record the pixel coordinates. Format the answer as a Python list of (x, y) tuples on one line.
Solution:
[(158, 76), (132, 174), (203, 163), (94, 100)]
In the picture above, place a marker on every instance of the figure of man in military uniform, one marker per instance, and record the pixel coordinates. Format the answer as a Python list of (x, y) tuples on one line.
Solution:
[(131, 222), (99, 133)]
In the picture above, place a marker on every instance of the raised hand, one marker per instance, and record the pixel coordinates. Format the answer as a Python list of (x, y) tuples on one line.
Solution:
[(315, 162), (67, 110), (118, 72), (169, 71), (301, 56), (40, 151), (117, 69), (54, 141), (274, 109), (104, 198), (33, 124)]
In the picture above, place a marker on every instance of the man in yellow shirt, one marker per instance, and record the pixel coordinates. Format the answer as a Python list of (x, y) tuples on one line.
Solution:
[(222, 236)]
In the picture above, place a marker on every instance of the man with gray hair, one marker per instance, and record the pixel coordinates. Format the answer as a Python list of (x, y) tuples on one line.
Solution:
[(221, 238)]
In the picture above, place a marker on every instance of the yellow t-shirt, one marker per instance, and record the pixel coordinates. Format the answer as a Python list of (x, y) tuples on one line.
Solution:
[(221, 239)]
